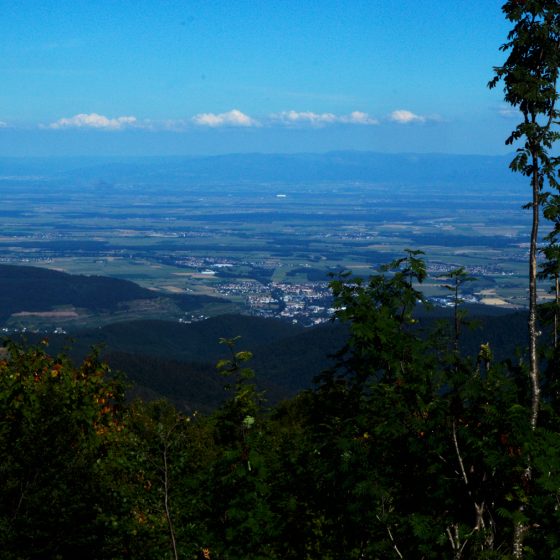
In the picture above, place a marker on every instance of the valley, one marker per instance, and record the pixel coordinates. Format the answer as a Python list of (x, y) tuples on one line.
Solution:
[(264, 247)]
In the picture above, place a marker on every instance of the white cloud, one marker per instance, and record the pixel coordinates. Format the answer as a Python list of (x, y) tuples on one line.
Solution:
[(403, 116), (231, 118), (508, 112), (307, 117), (358, 117), (321, 119), (93, 120), (3, 124)]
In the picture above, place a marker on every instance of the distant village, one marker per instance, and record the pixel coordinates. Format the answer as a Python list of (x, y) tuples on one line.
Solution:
[(306, 303)]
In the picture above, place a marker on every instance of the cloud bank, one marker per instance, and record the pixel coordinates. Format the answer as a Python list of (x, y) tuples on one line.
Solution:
[(320, 119), (93, 120), (237, 119), (403, 116)]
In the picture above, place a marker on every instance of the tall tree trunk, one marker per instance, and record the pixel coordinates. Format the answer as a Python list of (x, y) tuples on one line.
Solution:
[(166, 501), (556, 310), (457, 319), (519, 529), (533, 332)]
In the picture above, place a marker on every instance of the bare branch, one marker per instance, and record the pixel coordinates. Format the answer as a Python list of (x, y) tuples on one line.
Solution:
[(459, 458)]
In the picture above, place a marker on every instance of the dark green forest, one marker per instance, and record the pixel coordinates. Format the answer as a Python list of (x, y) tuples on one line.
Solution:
[(413, 443), (35, 289)]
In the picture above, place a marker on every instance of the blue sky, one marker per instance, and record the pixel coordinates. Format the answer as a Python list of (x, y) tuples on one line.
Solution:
[(201, 77)]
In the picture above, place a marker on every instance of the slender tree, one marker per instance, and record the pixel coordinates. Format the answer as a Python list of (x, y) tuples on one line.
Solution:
[(530, 76), (457, 278)]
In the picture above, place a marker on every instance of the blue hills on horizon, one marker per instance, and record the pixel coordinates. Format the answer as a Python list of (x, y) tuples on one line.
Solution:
[(371, 167)]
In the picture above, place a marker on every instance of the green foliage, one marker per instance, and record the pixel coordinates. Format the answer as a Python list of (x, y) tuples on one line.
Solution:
[(530, 77), (154, 472), (380, 314), (550, 269), (237, 415), (458, 277), (439, 445), (242, 522), (405, 449), (55, 421)]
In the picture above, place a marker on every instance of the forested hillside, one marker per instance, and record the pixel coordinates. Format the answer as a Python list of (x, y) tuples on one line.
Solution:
[(177, 361), (29, 289)]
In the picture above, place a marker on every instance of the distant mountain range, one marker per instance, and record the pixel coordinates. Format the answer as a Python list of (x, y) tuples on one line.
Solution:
[(417, 169)]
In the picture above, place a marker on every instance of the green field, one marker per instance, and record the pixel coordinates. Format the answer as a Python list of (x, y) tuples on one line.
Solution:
[(196, 240)]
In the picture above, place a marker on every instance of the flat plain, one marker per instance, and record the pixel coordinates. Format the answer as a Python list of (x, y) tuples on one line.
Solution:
[(246, 240)]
